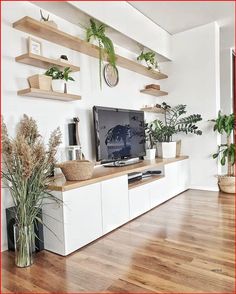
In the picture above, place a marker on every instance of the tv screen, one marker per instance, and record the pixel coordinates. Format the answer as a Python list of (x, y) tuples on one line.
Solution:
[(119, 133)]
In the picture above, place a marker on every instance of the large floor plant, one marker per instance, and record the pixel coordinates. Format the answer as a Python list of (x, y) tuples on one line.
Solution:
[(27, 165), (225, 125), (105, 44)]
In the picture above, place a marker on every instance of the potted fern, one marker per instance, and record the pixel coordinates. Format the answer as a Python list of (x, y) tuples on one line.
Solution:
[(225, 124), (27, 165), (106, 48), (173, 123)]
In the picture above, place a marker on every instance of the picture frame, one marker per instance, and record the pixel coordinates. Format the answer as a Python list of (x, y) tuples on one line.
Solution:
[(34, 46)]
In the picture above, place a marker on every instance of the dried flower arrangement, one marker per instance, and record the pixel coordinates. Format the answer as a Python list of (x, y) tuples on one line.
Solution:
[(27, 165)]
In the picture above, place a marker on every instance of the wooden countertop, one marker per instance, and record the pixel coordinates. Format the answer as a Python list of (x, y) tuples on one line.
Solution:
[(102, 173)]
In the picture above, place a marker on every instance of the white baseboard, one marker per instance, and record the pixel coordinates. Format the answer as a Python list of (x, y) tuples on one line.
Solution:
[(205, 188)]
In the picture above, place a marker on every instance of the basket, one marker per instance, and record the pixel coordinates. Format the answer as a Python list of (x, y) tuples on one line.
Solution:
[(41, 82), (227, 184), (77, 170)]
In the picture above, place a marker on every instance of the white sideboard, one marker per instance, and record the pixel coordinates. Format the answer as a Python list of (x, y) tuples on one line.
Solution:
[(92, 210)]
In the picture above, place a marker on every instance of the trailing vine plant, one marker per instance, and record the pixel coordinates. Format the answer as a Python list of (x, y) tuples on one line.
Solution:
[(105, 44)]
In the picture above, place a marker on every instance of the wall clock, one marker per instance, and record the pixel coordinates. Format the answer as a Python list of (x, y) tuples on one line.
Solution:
[(111, 75)]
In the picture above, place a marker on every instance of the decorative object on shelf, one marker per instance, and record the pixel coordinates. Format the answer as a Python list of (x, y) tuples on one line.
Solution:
[(77, 170), (59, 78), (26, 169), (64, 58), (162, 132), (150, 143), (111, 75), (74, 149), (178, 148), (150, 58), (47, 21), (153, 86), (34, 46), (41, 82), (105, 44), (225, 124)]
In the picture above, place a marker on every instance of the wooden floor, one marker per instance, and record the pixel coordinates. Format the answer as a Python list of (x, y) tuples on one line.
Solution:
[(184, 245)]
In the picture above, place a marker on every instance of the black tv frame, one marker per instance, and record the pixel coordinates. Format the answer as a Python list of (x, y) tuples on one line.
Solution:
[(97, 139)]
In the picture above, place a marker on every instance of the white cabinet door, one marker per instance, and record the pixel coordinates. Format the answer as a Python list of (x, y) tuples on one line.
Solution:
[(158, 192), (139, 201), (183, 175), (82, 216), (172, 179), (115, 203)]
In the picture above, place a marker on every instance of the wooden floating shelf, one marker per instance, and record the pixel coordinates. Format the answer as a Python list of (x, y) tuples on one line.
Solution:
[(44, 62), (154, 92), (31, 92), (44, 31), (153, 109), (144, 181)]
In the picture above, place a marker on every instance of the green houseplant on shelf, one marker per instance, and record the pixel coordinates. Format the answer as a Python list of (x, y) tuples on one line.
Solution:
[(27, 165), (150, 142), (150, 59), (59, 78), (106, 48), (163, 131), (225, 124)]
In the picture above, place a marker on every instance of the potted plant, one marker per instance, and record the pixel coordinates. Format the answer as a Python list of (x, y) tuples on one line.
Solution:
[(225, 124), (151, 147), (150, 60), (163, 131), (106, 48), (59, 78), (26, 169)]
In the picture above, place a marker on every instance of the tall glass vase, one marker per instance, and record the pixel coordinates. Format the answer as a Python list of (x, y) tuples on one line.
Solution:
[(24, 244)]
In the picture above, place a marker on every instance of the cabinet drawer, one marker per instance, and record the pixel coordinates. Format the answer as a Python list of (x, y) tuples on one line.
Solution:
[(139, 201), (115, 203)]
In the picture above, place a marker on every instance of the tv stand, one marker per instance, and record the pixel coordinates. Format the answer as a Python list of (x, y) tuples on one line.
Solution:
[(122, 162)]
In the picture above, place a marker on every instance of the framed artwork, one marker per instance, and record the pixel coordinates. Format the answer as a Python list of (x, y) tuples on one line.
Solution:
[(34, 46)]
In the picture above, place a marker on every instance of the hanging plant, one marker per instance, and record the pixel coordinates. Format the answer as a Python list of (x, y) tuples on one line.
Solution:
[(105, 44)]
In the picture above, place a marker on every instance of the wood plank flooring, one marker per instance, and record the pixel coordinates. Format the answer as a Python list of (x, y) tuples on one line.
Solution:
[(185, 245)]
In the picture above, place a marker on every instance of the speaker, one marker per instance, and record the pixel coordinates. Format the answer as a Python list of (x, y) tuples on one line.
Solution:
[(72, 134), (38, 230)]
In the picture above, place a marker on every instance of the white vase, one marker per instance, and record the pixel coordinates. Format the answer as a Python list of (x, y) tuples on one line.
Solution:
[(58, 86), (150, 154), (166, 149)]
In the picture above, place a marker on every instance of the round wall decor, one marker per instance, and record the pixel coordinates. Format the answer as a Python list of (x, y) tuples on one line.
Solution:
[(111, 75)]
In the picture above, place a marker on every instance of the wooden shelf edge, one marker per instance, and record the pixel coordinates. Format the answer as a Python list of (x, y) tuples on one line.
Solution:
[(152, 92), (38, 93), (144, 181), (43, 62), (153, 110), (54, 35)]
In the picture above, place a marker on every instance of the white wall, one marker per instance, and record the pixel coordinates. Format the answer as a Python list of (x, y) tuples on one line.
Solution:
[(123, 17), (194, 81), (51, 113)]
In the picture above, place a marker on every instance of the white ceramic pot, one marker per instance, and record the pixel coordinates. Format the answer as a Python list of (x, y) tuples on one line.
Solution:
[(58, 86), (166, 149), (150, 154)]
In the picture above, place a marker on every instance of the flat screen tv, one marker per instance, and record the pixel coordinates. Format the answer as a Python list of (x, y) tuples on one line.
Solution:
[(119, 133)]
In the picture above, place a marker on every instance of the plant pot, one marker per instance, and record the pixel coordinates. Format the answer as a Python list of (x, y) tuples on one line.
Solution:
[(40, 82), (166, 149), (150, 154), (58, 86), (227, 184), (24, 244)]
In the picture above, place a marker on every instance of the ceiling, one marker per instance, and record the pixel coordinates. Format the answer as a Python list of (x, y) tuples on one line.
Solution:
[(179, 16)]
